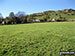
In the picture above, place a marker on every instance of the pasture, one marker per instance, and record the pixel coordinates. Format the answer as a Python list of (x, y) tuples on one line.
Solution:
[(37, 39)]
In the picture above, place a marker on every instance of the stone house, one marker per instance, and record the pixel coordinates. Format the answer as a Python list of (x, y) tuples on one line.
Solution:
[(53, 20), (3, 22), (36, 20)]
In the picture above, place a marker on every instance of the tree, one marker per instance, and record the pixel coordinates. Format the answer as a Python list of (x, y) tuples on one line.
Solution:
[(8, 20), (11, 15), (30, 18), (1, 17), (20, 14), (12, 18), (21, 17)]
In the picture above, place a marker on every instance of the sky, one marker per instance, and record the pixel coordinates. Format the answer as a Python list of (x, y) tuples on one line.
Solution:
[(34, 6)]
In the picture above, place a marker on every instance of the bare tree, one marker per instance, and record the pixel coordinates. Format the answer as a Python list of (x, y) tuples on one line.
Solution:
[(1, 17), (20, 14)]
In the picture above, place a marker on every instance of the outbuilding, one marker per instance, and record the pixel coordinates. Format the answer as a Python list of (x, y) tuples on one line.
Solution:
[(53, 20), (37, 20)]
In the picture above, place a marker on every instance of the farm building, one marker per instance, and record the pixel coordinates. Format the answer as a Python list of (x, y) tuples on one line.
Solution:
[(3, 22), (37, 20), (53, 20)]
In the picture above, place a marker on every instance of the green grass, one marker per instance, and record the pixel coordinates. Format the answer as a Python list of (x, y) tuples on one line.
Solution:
[(38, 39)]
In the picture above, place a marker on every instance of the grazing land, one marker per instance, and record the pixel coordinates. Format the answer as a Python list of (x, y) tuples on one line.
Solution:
[(37, 39)]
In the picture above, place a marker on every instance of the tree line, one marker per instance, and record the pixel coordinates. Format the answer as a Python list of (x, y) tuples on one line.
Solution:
[(20, 18)]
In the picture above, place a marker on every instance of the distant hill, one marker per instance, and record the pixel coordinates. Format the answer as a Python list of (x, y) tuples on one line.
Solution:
[(60, 14)]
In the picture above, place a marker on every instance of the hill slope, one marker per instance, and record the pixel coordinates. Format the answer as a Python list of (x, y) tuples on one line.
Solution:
[(60, 14)]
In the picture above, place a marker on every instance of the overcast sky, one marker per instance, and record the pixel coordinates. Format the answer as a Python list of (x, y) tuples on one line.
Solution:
[(34, 6)]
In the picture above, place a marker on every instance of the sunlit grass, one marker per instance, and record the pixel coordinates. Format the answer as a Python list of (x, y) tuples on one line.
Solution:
[(38, 39)]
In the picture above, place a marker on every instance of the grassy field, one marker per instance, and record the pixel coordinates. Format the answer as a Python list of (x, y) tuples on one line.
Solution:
[(37, 39)]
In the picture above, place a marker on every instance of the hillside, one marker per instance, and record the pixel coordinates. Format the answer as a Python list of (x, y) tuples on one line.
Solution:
[(60, 14), (46, 16)]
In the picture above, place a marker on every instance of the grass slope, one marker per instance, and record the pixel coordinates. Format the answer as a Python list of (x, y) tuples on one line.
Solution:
[(38, 39), (55, 14)]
